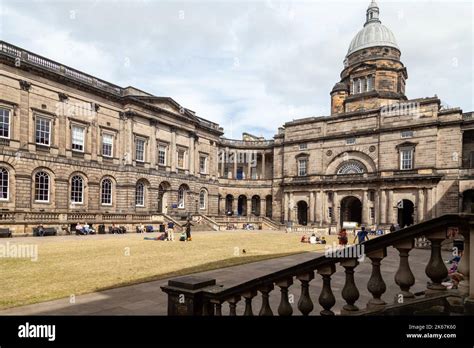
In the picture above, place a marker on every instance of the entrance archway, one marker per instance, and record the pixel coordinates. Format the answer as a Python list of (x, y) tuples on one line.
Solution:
[(242, 205), (302, 212), (163, 190), (406, 209), (229, 204), (468, 202), (351, 210)]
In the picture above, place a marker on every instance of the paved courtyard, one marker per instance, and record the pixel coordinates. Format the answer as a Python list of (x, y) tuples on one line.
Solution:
[(148, 299)]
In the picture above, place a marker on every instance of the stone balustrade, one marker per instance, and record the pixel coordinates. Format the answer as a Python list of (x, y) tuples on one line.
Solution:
[(208, 296)]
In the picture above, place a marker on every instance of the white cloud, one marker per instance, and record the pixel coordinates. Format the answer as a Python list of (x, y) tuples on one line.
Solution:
[(248, 65)]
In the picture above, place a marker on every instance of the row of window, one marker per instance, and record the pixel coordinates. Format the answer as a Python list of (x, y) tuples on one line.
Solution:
[(354, 167), (42, 190), (43, 133), (363, 84)]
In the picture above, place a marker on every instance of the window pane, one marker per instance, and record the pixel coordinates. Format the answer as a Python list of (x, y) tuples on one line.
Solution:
[(140, 150), (4, 123), (107, 144), (77, 189), (43, 131), (140, 195), (162, 155), (3, 183), (78, 138), (106, 194), (42, 187)]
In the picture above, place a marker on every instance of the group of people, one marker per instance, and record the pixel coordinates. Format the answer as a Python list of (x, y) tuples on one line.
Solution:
[(168, 235), (313, 239), (84, 229), (361, 236)]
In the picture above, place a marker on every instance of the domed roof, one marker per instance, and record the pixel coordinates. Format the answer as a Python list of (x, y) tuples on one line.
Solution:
[(373, 34)]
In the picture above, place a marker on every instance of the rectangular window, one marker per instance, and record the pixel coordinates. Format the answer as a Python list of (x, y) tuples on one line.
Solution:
[(4, 123), (202, 164), (406, 159), (43, 131), (78, 138), (364, 85), (351, 141), (302, 164), (107, 145), (162, 155), (372, 196), (472, 160), (370, 83), (140, 150), (407, 134), (181, 158), (253, 173), (330, 213), (303, 146)]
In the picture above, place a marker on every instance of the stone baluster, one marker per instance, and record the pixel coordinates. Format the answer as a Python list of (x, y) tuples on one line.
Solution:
[(218, 307), (305, 305), (436, 269), (266, 309), (326, 298), (404, 277), (249, 295), (463, 266), (233, 305), (349, 292), (376, 285), (284, 309)]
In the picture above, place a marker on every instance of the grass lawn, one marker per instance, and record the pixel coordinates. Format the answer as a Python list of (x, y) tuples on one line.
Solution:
[(74, 265)]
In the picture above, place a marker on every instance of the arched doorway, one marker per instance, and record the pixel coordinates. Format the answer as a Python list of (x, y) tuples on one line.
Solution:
[(268, 206), (302, 207), (256, 205), (163, 197), (242, 205), (468, 202), (351, 210), (229, 204), (406, 209)]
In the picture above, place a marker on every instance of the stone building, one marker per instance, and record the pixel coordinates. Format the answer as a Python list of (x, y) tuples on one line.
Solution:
[(77, 148)]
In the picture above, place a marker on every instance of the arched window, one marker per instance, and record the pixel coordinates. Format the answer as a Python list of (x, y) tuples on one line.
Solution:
[(202, 199), (182, 196), (351, 167), (77, 190), (140, 195), (106, 192), (4, 184), (41, 187)]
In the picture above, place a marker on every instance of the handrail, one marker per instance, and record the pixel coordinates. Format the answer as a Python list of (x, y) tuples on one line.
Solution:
[(210, 297)]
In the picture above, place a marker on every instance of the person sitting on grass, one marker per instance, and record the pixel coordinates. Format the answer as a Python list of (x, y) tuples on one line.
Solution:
[(87, 229), (41, 231), (304, 239), (79, 228), (312, 239), (182, 237), (115, 229), (141, 228)]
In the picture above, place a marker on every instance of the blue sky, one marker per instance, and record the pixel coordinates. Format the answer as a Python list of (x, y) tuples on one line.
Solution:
[(247, 65)]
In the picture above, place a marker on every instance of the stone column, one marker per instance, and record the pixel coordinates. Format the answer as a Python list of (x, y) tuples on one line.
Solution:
[(263, 166), (249, 166), (263, 207), (420, 205), (191, 154), (311, 206), (365, 208), (234, 176), (383, 207), (335, 214), (292, 208), (429, 203), (377, 207), (319, 205), (286, 201), (249, 206), (153, 148), (173, 157), (324, 206), (390, 207)]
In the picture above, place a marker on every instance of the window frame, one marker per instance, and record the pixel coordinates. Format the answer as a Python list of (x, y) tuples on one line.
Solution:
[(110, 192), (112, 136), (165, 152), (72, 191), (182, 197), (38, 119), (4, 170), (201, 169), (36, 187), (9, 110), (83, 128), (202, 199), (142, 185), (300, 167), (142, 140), (183, 151), (411, 151)]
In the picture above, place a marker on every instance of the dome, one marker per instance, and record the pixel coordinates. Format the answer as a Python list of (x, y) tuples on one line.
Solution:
[(373, 34), (339, 87)]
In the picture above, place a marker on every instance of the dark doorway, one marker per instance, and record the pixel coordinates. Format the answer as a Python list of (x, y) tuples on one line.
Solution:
[(256, 205), (268, 206), (229, 204), (468, 202), (351, 210), (302, 213), (406, 209), (242, 205)]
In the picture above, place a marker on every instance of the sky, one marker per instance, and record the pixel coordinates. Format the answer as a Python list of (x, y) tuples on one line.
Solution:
[(248, 65)]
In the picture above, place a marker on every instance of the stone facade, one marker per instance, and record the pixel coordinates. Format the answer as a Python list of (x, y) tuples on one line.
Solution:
[(378, 159)]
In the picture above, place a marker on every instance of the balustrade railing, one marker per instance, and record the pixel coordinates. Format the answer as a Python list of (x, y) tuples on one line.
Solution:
[(209, 297)]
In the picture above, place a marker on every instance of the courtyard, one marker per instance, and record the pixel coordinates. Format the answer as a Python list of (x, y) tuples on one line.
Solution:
[(68, 266)]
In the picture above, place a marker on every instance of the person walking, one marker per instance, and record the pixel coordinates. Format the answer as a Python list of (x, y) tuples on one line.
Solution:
[(188, 230), (362, 235), (171, 230)]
